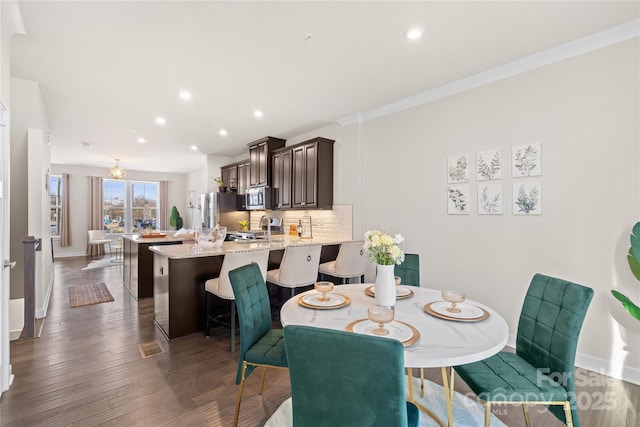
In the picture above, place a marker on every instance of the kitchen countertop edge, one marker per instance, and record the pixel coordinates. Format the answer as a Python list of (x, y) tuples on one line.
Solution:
[(191, 250)]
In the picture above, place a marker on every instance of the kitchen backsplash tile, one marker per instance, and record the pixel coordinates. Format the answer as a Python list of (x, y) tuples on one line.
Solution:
[(336, 223)]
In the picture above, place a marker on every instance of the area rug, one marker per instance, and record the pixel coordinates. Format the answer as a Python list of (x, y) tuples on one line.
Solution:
[(103, 262), (94, 293), (466, 411)]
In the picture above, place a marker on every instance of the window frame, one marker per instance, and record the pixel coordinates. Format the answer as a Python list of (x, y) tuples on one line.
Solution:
[(130, 225), (57, 207)]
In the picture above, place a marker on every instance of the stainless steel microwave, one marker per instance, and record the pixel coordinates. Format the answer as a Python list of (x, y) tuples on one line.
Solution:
[(258, 198)]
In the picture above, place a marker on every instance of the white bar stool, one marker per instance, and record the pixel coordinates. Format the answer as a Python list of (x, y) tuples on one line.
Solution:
[(298, 268), (221, 286), (350, 262)]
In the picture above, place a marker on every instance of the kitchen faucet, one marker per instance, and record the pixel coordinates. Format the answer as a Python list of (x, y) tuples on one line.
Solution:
[(268, 217)]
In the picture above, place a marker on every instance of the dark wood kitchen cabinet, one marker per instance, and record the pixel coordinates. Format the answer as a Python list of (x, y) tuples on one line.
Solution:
[(229, 175), (281, 178), (137, 271), (236, 176), (312, 174), (260, 160), (243, 177)]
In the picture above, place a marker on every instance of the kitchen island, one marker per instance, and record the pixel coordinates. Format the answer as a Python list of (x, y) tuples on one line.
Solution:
[(137, 271), (179, 273)]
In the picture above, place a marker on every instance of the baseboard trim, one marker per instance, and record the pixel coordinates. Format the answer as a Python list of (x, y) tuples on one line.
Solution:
[(69, 255), (42, 313), (600, 366)]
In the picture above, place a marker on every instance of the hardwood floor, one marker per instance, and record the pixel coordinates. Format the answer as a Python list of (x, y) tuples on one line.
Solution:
[(86, 369)]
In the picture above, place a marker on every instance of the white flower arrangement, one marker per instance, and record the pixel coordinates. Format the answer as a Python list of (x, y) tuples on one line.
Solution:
[(384, 249)]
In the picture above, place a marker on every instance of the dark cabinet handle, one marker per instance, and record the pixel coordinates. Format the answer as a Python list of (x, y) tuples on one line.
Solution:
[(161, 270), (309, 258)]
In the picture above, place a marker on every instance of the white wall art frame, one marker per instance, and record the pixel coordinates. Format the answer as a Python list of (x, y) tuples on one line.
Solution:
[(458, 168), (526, 160), (489, 165), (458, 199), (527, 198), (490, 199)]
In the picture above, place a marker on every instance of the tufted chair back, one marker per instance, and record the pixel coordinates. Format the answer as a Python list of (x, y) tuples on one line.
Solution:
[(299, 266), (550, 321)]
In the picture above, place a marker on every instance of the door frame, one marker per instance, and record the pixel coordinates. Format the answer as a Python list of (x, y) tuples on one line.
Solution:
[(6, 378)]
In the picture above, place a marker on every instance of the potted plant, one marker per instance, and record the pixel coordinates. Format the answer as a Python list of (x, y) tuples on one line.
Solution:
[(221, 186), (633, 257), (244, 225), (175, 219)]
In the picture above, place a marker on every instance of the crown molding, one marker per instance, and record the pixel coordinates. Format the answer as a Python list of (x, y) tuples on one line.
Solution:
[(571, 49)]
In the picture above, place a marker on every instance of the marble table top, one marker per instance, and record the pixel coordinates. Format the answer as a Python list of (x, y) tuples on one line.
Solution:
[(441, 342)]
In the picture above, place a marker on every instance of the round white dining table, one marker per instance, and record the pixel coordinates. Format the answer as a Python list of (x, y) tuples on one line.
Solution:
[(441, 344)]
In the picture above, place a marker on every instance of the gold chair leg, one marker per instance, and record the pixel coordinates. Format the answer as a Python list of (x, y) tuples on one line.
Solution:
[(236, 416), (567, 414), (421, 382), (487, 414), (264, 374), (527, 420), (410, 383)]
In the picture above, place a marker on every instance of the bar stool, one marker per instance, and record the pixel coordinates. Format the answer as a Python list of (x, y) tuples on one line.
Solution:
[(350, 262), (298, 268), (221, 286)]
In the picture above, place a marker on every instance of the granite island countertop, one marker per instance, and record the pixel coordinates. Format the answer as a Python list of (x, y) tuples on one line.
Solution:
[(169, 236), (191, 250)]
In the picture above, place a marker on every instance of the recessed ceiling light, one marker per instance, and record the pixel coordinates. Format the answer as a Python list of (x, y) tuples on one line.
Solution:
[(142, 140), (414, 33), (185, 95), (222, 132), (258, 114), (194, 147), (160, 120)]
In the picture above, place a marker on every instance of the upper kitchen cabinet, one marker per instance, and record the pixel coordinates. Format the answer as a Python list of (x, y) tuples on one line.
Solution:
[(236, 176), (243, 177), (281, 178), (229, 175), (260, 160), (312, 174)]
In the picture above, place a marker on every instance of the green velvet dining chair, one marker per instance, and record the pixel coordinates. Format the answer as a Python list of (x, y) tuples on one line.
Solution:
[(409, 270), (345, 379), (541, 371), (260, 345)]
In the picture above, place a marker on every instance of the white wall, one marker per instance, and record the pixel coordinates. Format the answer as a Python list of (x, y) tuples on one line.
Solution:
[(585, 112), (79, 200), (27, 112), (39, 155), (196, 184)]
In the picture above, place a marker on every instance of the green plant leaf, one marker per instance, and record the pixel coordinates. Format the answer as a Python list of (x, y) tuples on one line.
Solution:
[(635, 242), (634, 264), (628, 305)]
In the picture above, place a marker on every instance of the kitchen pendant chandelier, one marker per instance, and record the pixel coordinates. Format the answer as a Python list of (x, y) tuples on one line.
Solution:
[(117, 172)]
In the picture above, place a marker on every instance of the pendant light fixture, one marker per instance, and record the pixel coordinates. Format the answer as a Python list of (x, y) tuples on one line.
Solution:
[(117, 172)]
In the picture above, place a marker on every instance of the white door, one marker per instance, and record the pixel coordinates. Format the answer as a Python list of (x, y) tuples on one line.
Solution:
[(5, 367)]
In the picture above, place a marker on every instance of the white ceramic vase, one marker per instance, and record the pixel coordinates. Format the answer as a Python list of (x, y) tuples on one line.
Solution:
[(385, 285)]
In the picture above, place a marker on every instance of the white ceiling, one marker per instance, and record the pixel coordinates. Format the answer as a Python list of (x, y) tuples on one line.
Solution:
[(106, 68)]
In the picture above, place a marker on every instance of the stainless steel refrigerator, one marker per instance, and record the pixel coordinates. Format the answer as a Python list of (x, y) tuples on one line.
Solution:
[(223, 208)]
